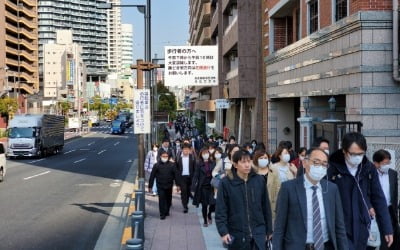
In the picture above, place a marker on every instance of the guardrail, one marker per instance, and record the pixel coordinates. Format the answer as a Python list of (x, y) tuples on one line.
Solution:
[(137, 219)]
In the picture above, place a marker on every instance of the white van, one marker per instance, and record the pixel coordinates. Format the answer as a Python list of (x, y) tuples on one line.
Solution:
[(2, 162)]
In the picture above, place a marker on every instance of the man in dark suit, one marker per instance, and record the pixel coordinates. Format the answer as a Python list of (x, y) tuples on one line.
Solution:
[(309, 213), (389, 184), (186, 165)]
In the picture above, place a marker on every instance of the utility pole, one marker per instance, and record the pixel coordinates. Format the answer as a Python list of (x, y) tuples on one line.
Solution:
[(140, 67)]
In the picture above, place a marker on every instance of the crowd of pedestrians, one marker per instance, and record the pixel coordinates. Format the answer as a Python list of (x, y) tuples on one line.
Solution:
[(309, 199)]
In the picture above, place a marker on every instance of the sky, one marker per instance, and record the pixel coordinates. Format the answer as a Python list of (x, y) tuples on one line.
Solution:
[(169, 25)]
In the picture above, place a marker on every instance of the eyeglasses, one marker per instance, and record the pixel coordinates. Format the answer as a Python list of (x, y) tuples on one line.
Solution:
[(317, 162)]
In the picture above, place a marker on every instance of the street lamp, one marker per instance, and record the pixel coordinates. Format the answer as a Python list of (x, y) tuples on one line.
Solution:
[(332, 107), (306, 105)]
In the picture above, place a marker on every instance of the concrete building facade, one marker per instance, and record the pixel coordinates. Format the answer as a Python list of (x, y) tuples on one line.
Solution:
[(126, 45), (19, 50), (235, 27), (114, 36), (64, 77), (338, 55)]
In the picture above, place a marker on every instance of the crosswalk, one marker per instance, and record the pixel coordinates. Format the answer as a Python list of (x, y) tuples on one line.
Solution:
[(107, 130)]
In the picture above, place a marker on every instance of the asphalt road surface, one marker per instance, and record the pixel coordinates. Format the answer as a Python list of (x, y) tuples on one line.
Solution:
[(64, 200)]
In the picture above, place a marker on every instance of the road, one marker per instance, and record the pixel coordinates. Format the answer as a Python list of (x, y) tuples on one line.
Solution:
[(63, 201)]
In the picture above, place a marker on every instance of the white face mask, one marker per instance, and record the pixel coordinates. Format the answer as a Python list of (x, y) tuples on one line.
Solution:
[(250, 151), (228, 165), (317, 172), (263, 163), (254, 145), (218, 156), (205, 156), (301, 158), (385, 168), (155, 149), (177, 144), (326, 151), (164, 159), (355, 160), (285, 157), (211, 151)]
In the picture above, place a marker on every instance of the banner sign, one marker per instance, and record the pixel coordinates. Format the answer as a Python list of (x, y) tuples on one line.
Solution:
[(141, 114), (221, 103), (191, 66)]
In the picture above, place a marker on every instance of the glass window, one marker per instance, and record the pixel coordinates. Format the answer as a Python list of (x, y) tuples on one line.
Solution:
[(340, 9), (313, 14)]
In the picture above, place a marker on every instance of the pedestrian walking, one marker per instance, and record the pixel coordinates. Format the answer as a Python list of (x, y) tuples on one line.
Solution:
[(186, 165), (309, 210), (165, 147), (204, 193), (151, 159), (389, 184), (219, 170), (360, 191), (300, 157), (286, 170), (243, 212), (166, 173)]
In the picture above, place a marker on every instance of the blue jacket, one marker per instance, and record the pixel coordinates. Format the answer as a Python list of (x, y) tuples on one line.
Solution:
[(359, 193)]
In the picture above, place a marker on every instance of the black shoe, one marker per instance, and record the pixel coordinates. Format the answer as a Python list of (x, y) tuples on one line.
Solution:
[(167, 214), (162, 217), (185, 211)]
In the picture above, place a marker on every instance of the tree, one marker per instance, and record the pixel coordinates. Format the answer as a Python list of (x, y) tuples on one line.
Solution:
[(64, 107), (8, 107), (166, 99)]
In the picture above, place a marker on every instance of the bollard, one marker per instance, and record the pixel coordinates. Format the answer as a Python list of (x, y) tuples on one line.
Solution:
[(137, 221), (139, 200), (142, 187), (134, 244), (142, 184)]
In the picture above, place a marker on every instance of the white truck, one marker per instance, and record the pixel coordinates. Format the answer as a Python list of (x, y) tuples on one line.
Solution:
[(35, 135)]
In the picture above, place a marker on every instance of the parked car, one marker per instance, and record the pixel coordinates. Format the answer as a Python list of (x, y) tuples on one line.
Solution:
[(3, 162)]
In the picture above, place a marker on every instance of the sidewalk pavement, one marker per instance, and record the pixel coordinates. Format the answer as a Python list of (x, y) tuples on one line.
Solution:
[(179, 230)]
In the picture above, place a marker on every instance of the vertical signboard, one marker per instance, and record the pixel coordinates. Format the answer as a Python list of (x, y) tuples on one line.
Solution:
[(191, 66), (141, 114)]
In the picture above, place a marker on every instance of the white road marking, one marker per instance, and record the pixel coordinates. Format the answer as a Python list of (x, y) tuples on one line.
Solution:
[(89, 184), (80, 160), (90, 144), (84, 149), (36, 175), (69, 151), (36, 161), (115, 144), (102, 151), (129, 160)]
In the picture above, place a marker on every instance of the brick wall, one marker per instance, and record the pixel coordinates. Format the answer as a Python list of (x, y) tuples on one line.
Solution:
[(325, 17), (282, 29), (357, 5)]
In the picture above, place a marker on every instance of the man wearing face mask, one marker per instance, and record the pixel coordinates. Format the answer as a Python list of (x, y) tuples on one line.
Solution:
[(165, 147), (166, 173), (388, 180), (360, 191), (186, 165), (309, 212)]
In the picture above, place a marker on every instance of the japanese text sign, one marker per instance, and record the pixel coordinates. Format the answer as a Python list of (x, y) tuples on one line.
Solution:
[(141, 114), (191, 66)]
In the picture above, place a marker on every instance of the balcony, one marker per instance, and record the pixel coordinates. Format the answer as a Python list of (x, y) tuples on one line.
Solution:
[(205, 37), (205, 105), (214, 21), (232, 74)]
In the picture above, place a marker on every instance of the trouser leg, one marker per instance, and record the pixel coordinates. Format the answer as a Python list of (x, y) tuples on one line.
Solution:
[(185, 189), (162, 201), (169, 198)]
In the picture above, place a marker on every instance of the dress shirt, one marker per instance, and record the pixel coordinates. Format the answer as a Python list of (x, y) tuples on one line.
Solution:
[(185, 165), (283, 171), (310, 233), (384, 180)]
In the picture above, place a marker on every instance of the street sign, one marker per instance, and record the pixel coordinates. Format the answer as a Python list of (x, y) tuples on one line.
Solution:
[(113, 101), (141, 114), (222, 104)]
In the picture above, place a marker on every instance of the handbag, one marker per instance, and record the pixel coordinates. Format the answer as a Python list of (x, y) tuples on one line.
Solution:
[(268, 244), (215, 181), (374, 239)]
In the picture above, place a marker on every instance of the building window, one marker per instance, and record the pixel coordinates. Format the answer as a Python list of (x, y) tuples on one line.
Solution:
[(340, 9), (313, 15)]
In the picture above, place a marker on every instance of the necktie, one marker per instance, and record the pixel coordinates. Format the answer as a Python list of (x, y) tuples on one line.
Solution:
[(317, 228)]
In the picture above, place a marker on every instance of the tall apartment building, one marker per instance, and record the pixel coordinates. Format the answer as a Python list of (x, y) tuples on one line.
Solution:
[(89, 29), (19, 49), (114, 37), (235, 27), (337, 60), (64, 75), (126, 45)]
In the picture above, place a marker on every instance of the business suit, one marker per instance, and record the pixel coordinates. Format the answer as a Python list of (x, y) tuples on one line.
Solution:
[(291, 216), (186, 180)]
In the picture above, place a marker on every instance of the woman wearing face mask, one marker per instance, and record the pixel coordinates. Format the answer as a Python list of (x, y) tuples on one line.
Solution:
[(285, 169), (166, 173), (261, 164), (218, 172), (151, 159), (204, 192), (300, 156)]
